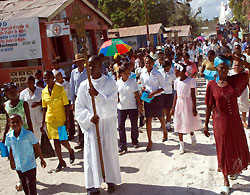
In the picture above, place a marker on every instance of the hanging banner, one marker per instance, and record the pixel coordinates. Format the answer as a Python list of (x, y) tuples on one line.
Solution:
[(57, 29), (20, 39)]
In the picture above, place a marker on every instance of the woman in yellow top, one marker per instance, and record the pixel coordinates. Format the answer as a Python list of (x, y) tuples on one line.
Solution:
[(208, 70), (56, 114)]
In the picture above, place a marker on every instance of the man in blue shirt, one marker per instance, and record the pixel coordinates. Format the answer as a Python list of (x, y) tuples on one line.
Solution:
[(22, 144), (78, 75)]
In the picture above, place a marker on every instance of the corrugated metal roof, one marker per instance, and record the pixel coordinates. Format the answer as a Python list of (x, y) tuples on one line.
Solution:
[(23, 9), (183, 31), (15, 9), (137, 30)]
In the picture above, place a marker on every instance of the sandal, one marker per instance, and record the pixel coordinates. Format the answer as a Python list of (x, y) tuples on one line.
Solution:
[(224, 190), (233, 177), (19, 186)]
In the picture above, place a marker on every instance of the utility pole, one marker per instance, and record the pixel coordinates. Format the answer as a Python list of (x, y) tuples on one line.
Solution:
[(146, 17)]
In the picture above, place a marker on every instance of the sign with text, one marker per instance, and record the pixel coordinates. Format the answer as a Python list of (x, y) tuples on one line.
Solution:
[(20, 40), (57, 29)]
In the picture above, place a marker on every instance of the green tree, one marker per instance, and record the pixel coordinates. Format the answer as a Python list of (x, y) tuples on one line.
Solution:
[(240, 14)]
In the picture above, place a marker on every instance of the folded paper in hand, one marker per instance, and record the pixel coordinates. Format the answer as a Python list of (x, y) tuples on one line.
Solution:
[(145, 98)]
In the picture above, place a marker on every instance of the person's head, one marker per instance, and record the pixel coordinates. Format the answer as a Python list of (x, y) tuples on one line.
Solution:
[(222, 66), (124, 71), (237, 66), (11, 91), (79, 60), (48, 77), (30, 82), (59, 77), (237, 50), (39, 75), (167, 65), (55, 63), (211, 55), (248, 49), (180, 69), (161, 55), (149, 63), (186, 57), (95, 66), (15, 122), (40, 84)]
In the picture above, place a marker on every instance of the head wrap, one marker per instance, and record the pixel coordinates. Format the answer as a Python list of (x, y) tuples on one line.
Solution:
[(219, 60)]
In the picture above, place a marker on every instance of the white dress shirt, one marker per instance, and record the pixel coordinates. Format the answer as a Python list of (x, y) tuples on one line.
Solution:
[(152, 81)]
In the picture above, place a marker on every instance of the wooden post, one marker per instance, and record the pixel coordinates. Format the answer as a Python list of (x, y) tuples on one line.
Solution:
[(78, 19), (147, 26)]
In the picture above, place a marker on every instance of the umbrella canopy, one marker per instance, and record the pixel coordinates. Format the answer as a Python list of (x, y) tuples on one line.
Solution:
[(200, 38), (113, 46)]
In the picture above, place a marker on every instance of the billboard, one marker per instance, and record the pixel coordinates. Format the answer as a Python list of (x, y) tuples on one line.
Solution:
[(57, 29), (20, 39)]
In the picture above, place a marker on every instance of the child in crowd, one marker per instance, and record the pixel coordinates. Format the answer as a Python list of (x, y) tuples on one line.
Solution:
[(128, 98), (16, 106), (186, 117), (243, 100), (169, 77), (22, 144)]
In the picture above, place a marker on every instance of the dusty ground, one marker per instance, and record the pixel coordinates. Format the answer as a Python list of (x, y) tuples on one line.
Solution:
[(163, 171)]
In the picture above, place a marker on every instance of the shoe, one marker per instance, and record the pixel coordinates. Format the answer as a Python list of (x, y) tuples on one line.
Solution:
[(111, 188), (193, 140), (19, 186), (182, 148), (72, 157), (149, 147), (79, 146), (140, 130), (168, 127), (93, 193), (122, 150), (136, 146), (60, 166)]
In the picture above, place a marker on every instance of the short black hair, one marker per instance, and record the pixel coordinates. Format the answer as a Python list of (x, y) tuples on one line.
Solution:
[(31, 78), (49, 72), (38, 72), (94, 58), (16, 115), (123, 68), (211, 52), (149, 57), (167, 63)]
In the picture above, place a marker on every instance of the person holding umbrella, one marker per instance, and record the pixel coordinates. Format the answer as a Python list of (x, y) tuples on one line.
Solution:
[(105, 92)]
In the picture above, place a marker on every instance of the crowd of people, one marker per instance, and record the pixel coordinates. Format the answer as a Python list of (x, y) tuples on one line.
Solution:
[(145, 84)]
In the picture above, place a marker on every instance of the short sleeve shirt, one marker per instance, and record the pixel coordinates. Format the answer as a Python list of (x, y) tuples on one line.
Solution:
[(55, 104), (152, 81), (22, 149), (126, 92), (209, 65)]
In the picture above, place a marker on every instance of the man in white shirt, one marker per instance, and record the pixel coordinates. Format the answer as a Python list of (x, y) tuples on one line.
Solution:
[(105, 91), (153, 83)]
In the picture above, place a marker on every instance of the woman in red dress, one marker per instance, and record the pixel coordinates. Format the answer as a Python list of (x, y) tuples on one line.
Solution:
[(221, 98)]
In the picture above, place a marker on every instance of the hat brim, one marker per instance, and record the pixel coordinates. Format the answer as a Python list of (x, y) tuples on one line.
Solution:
[(80, 59)]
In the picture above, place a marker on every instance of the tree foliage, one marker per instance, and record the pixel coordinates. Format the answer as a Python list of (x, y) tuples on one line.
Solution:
[(125, 13), (239, 12)]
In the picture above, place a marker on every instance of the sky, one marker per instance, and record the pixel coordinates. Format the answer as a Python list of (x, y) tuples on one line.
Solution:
[(210, 8)]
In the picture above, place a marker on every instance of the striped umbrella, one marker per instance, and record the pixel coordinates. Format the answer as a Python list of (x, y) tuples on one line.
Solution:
[(113, 46)]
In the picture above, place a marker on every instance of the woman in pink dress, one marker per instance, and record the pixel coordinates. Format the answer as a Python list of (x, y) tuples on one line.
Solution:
[(186, 117), (221, 99)]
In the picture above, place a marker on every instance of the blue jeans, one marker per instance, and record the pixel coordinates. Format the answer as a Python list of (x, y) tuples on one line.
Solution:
[(133, 116)]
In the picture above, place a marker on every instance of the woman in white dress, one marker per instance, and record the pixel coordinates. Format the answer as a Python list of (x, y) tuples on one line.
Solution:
[(33, 96)]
